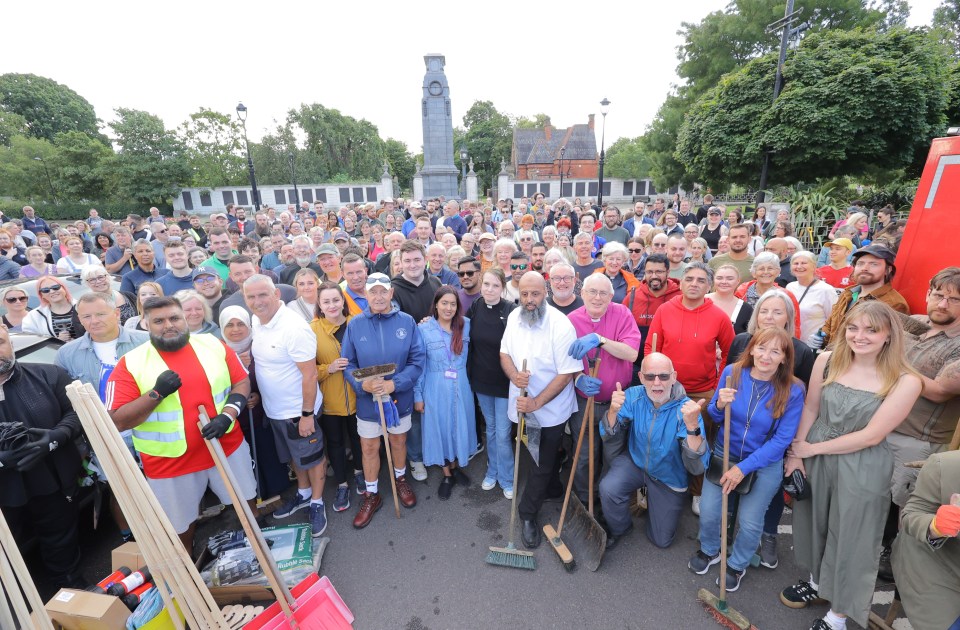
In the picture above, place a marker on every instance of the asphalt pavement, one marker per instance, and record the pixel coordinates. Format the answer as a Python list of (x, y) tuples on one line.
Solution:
[(427, 570)]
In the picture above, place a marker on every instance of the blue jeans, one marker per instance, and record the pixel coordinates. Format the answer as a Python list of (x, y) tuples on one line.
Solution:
[(753, 507), (499, 448), (414, 438)]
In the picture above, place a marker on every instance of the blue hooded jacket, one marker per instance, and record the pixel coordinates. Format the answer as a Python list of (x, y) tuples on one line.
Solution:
[(375, 339), (656, 435)]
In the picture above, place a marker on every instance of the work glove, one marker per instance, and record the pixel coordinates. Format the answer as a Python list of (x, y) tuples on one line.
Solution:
[(217, 427), (42, 443), (815, 341), (947, 521), (583, 345), (391, 414), (10, 459), (167, 383), (588, 385)]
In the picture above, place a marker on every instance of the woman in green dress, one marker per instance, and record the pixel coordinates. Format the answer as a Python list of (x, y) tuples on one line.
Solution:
[(858, 394)]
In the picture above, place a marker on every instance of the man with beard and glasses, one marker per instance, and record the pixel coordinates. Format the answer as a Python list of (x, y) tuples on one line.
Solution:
[(655, 290), (539, 335), (665, 443), (38, 478), (157, 390), (930, 425), (303, 258), (563, 284), (873, 270)]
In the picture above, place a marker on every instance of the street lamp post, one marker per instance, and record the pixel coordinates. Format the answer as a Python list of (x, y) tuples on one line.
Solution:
[(53, 193), (463, 171), (563, 150), (242, 115), (293, 176), (604, 108)]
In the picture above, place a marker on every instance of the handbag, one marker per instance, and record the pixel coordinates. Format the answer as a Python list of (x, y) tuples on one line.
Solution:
[(795, 484)]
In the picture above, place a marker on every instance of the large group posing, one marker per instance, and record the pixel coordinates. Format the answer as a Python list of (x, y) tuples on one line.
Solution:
[(487, 311)]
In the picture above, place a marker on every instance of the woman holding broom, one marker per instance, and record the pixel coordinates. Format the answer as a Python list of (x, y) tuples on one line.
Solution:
[(859, 393), (449, 425), (765, 401)]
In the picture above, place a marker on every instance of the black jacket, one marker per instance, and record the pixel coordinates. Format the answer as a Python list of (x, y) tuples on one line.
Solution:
[(415, 300), (36, 395)]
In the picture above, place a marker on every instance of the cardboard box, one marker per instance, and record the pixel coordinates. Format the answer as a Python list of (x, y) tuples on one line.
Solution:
[(127, 555), (82, 610)]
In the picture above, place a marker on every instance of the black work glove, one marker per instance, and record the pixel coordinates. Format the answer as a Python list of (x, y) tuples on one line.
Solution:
[(167, 383), (42, 443), (217, 427), (10, 459)]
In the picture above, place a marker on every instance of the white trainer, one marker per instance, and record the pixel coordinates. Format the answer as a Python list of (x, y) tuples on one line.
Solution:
[(418, 470)]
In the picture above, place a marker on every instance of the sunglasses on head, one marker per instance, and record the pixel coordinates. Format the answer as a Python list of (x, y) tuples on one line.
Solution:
[(652, 377), (375, 281), (11, 300), (466, 274), (55, 287)]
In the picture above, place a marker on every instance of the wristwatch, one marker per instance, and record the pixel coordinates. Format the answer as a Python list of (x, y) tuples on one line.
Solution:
[(306, 414), (696, 431), (154, 394)]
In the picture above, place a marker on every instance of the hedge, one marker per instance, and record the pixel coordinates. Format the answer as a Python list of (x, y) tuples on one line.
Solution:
[(13, 208)]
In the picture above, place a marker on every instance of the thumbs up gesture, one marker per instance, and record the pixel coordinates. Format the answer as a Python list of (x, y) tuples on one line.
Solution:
[(691, 413), (617, 398)]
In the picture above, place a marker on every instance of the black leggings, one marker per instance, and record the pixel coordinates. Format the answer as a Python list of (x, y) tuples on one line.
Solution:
[(336, 431)]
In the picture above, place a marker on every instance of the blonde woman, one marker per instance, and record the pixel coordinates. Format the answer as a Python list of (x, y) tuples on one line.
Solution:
[(145, 291)]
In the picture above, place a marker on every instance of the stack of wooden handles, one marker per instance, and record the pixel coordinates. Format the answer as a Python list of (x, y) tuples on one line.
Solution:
[(14, 577), (169, 562)]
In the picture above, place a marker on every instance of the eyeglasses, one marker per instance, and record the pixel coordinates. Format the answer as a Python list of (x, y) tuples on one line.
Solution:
[(635, 251), (466, 274), (562, 278), (595, 293), (12, 300), (55, 287), (653, 377), (97, 278), (522, 267), (939, 297), (204, 279)]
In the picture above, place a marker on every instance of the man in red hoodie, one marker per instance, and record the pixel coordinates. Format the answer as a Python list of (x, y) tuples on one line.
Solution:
[(655, 290), (689, 329)]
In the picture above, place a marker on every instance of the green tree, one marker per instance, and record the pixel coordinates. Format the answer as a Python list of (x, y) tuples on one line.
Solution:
[(343, 144), (151, 165), (82, 166), (402, 164), (537, 122), (12, 125), (48, 107), (946, 20), (851, 100), (27, 168), (214, 143), (626, 159), (488, 135)]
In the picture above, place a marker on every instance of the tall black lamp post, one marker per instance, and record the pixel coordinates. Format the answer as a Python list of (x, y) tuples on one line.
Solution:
[(463, 171), (563, 150), (604, 108), (242, 115), (293, 175)]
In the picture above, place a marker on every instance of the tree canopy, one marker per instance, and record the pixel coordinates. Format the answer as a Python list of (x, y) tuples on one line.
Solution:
[(214, 147), (47, 107), (488, 136), (851, 99), (626, 159), (151, 164)]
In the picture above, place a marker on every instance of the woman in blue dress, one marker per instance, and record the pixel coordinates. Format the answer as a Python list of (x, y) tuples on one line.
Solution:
[(442, 393)]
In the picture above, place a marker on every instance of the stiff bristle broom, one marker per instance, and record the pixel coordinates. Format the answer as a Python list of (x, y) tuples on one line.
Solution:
[(510, 556)]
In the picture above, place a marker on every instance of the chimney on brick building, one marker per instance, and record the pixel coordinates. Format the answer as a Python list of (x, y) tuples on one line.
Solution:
[(590, 122)]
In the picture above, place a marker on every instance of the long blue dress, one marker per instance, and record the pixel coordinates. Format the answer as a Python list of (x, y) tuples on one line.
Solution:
[(449, 426)]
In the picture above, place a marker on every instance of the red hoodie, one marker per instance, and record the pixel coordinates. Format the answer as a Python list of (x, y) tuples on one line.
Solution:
[(690, 338), (644, 304)]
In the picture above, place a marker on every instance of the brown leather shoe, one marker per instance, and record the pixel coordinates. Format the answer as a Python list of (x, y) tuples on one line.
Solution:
[(368, 507), (407, 498)]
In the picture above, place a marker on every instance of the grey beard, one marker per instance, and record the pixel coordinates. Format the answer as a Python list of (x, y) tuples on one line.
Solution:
[(7, 364), (303, 262), (170, 345), (534, 317)]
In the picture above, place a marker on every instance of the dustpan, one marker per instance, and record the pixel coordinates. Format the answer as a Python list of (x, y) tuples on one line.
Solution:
[(318, 607)]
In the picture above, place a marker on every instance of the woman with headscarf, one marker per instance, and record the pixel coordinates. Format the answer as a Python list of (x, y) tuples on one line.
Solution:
[(272, 477)]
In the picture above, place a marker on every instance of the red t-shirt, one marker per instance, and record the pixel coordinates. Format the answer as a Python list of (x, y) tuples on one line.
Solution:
[(194, 392), (839, 278)]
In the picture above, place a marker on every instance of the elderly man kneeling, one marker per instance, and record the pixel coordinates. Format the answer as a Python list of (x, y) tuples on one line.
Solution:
[(665, 443)]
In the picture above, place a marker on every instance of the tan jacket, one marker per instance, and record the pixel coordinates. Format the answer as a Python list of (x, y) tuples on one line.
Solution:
[(886, 294), (339, 398)]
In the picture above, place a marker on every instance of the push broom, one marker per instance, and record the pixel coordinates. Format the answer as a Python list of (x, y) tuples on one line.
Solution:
[(510, 556), (717, 606), (379, 371)]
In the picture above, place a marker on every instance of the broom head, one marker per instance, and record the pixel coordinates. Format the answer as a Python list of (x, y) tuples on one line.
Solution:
[(722, 613), (362, 374), (512, 557), (566, 558)]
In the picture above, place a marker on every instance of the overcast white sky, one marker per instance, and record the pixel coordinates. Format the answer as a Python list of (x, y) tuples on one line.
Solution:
[(363, 58)]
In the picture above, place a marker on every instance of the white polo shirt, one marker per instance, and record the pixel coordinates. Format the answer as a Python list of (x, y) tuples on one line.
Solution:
[(545, 348), (277, 348)]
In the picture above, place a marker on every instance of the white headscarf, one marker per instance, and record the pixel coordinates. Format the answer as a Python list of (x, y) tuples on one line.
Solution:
[(237, 312)]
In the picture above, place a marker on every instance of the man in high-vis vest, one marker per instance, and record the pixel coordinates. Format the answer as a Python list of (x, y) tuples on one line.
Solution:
[(157, 390)]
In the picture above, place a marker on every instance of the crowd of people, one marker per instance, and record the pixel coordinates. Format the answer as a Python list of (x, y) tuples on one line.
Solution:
[(484, 312)]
